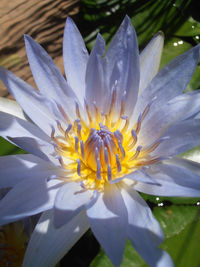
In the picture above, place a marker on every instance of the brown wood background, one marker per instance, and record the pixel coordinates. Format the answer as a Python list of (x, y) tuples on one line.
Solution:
[(44, 20)]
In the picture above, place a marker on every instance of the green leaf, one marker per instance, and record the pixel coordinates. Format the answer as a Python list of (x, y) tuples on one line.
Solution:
[(8, 148), (173, 48), (189, 28), (175, 218), (181, 225)]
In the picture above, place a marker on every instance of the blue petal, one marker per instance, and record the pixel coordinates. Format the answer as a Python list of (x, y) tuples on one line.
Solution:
[(187, 163), (36, 106), (96, 88), (75, 58), (48, 245), (123, 65), (144, 231), (70, 200), (27, 136), (182, 136), (174, 179), (170, 81), (150, 60), (16, 168), (182, 107), (27, 198), (48, 77), (108, 221)]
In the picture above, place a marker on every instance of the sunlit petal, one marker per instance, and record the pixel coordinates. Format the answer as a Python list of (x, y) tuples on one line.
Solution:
[(48, 245)]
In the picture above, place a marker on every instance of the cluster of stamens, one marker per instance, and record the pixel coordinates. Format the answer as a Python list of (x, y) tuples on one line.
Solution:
[(90, 152)]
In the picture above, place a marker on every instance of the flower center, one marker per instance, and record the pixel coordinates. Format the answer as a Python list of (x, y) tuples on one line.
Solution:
[(102, 148)]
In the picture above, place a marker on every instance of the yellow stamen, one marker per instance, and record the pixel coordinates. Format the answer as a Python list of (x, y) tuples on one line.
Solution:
[(99, 151)]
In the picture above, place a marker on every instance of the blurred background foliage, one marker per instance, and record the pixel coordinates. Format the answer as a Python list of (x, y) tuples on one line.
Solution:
[(179, 20)]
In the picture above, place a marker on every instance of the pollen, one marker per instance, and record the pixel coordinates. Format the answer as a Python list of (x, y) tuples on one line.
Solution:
[(101, 147)]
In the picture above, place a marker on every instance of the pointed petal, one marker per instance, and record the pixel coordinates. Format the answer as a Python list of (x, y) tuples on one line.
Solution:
[(11, 107), (75, 58), (36, 106), (48, 245), (175, 180), (183, 136), (27, 198), (170, 81), (144, 231), (107, 217), (70, 200), (27, 136), (16, 168), (123, 65), (187, 163), (96, 90), (48, 77), (182, 107), (150, 60)]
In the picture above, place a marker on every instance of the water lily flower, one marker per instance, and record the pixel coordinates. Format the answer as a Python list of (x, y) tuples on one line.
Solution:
[(113, 128)]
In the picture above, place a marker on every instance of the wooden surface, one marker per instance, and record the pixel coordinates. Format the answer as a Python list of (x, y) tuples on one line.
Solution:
[(44, 20)]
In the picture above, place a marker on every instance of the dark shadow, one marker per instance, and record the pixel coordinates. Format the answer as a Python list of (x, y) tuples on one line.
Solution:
[(83, 252)]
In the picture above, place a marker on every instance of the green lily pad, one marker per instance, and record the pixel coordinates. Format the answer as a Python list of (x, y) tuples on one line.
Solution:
[(181, 225), (173, 48), (189, 28)]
